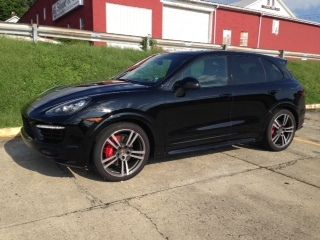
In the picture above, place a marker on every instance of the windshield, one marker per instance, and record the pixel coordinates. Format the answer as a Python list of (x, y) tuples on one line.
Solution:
[(154, 69)]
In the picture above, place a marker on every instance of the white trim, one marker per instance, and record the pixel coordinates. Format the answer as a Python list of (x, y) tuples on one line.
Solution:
[(187, 5), (215, 26), (259, 32), (13, 19), (210, 27)]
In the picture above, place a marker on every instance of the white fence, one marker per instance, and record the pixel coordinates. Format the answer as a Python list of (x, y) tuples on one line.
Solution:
[(43, 33)]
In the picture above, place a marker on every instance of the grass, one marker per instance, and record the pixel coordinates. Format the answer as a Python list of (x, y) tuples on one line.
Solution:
[(308, 73), (26, 70)]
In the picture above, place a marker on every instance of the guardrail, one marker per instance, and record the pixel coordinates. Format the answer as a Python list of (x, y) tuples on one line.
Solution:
[(37, 33)]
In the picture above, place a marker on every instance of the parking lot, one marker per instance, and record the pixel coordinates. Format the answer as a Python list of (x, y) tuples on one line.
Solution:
[(242, 192)]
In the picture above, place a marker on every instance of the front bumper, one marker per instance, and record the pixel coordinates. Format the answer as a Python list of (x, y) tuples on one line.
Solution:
[(65, 152)]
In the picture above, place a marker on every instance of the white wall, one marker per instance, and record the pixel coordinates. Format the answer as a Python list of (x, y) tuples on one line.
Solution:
[(128, 20), (186, 25)]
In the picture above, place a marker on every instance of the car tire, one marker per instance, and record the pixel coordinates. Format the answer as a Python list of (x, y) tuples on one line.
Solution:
[(280, 131), (121, 151)]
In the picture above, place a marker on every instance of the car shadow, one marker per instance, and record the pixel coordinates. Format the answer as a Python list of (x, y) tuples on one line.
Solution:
[(93, 175), (33, 161)]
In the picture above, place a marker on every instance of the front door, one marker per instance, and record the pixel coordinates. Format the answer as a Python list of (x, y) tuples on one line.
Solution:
[(201, 116)]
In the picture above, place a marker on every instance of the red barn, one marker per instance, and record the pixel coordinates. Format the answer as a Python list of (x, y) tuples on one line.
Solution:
[(265, 24)]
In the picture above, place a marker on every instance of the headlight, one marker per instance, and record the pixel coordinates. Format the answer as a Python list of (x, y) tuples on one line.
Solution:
[(68, 107)]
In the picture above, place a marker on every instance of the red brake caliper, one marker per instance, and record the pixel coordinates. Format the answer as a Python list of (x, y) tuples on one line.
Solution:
[(273, 132), (109, 150)]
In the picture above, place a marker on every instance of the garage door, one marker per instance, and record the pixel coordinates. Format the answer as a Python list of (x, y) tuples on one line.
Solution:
[(129, 20), (186, 25)]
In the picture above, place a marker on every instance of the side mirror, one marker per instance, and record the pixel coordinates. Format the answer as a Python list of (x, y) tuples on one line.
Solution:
[(188, 83)]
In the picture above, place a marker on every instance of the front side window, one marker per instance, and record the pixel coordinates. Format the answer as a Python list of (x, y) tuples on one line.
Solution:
[(246, 70), (154, 69), (210, 71)]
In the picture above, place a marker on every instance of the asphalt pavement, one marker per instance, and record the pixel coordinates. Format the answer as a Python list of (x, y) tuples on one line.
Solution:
[(241, 192)]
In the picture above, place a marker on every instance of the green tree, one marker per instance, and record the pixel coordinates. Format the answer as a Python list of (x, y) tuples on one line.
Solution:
[(17, 6)]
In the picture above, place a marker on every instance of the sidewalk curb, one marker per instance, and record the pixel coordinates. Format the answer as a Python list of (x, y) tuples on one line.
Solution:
[(313, 106), (6, 133), (9, 132)]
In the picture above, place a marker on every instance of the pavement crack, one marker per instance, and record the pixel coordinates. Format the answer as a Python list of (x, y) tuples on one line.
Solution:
[(102, 205), (149, 219), (94, 201), (280, 166), (57, 216)]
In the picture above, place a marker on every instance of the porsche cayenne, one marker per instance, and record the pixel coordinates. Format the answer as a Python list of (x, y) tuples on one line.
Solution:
[(167, 104)]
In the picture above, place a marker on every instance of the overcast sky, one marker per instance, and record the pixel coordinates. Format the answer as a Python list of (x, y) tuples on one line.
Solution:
[(305, 9)]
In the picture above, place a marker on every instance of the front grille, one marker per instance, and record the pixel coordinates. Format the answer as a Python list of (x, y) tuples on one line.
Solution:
[(50, 135)]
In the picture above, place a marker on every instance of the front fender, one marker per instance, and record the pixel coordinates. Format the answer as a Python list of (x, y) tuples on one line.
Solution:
[(147, 123)]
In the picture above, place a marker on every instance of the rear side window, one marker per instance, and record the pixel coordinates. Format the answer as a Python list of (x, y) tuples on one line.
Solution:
[(246, 70), (272, 71)]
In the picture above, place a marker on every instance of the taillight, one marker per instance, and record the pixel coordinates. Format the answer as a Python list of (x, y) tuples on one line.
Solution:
[(302, 93)]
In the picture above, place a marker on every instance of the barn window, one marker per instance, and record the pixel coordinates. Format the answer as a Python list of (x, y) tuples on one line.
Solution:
[(227, 34), (44, 13), (244, 38), (82, 23), (275, 27)]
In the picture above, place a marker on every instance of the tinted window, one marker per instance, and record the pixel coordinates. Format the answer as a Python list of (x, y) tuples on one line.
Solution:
[(247, 69), (272, 71), (154, 69), (210, 71)]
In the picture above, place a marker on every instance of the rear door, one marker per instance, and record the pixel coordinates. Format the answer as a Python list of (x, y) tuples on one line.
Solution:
[(255, 85)]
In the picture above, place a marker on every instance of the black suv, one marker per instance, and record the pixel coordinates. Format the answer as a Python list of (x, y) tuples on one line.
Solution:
[(167, 104)]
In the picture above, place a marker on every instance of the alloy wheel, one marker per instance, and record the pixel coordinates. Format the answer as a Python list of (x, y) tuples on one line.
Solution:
[(282, 130), (123, 153)]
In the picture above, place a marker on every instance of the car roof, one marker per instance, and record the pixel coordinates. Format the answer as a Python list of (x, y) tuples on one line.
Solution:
[(206, 52)]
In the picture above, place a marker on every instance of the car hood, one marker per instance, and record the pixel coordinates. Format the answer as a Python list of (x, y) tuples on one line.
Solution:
[(60, 95)]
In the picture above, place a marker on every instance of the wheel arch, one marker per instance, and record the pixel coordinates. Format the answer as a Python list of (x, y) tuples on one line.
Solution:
[(288, 106)]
